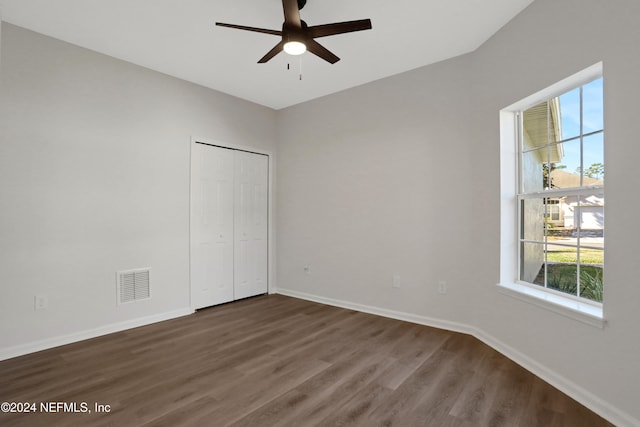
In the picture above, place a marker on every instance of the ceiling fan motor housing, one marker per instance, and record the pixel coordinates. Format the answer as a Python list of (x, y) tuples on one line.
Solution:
[(293, 34)]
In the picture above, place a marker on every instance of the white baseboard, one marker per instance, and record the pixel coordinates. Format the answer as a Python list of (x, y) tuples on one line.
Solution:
[(398, 315), (21, 350), (596, 404), (571, 389)]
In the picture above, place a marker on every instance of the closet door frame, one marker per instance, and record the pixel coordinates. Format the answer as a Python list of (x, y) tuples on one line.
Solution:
[(270, 205)]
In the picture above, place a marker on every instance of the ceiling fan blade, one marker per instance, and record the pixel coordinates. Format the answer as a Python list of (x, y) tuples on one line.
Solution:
[(338, 28), (273, 52), (254, 29), (321, 51), (291, 14)]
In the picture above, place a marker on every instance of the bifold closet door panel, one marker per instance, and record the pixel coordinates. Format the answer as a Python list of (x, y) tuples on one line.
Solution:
[(212, 223), (250, 224)]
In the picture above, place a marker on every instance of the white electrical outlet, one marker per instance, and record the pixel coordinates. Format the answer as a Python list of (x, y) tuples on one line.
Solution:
[(442, 287), (396, 280), (41, 301)]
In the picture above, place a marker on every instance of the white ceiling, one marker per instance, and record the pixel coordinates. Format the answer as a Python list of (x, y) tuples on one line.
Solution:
[(178, 37)]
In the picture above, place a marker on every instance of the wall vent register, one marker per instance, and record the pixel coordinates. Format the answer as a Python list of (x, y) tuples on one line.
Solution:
[(133, 285)]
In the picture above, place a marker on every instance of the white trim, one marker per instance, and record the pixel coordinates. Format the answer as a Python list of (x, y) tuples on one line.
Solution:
[(586, 398), (575, 309), (509, 249), (594, 403), (21, 350), (392, 314), (271, 252), (561, 192), (581, 78)]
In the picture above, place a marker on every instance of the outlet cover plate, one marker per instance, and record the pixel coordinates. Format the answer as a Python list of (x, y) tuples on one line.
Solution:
[(442, 287), (396, 280), (41, 301)]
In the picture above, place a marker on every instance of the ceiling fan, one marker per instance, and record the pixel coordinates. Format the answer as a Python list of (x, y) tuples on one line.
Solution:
[(297, 37)]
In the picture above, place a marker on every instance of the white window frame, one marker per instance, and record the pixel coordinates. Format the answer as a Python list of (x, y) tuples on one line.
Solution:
[(576, 308)]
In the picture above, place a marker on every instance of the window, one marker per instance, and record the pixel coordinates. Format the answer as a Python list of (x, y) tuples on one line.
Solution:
[(552, 210), (561, 154)]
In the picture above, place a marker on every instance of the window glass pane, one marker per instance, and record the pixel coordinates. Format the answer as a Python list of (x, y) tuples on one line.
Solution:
[(591, 274), (532, 265), (591, 214), (565, 172), (534, 170), (593, 160), (592, 109), (569, 113), (558, 254), (563, 277), (532, 219)]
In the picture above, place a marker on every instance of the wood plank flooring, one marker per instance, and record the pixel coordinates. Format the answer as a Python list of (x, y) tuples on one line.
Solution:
[(279, 361)]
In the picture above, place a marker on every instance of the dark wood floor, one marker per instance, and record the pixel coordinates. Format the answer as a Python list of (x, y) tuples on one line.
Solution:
[(279, 361)]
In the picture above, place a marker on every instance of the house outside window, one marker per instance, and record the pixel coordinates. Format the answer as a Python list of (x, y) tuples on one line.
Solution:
[(560, 194)]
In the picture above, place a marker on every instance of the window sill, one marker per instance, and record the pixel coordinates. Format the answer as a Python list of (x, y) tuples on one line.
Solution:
[(582, 312)]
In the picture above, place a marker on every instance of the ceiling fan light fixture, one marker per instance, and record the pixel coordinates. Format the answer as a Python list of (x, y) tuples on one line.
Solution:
[(295, 48)]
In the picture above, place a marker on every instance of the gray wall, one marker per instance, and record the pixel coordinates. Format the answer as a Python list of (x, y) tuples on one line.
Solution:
[(94, 178), (546, 43), (396, 177), (376, 181), (402, 176)]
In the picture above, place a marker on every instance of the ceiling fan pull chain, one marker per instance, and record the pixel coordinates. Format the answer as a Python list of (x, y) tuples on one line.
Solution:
[(300, 67)]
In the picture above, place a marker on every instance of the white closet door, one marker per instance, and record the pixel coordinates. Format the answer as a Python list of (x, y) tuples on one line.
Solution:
[(212, 200), (251, 218)]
